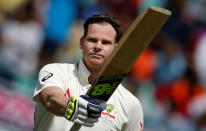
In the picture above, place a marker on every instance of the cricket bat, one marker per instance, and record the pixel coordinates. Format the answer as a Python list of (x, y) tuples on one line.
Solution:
[(132, 44)]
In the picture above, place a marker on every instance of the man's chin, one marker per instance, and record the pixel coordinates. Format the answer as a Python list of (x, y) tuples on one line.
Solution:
[(97, 62)]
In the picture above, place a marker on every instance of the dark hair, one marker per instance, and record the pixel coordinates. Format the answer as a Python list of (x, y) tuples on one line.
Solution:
[(104, 18)]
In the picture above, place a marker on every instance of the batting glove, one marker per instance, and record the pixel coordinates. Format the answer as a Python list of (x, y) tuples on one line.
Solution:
[(84, 110)]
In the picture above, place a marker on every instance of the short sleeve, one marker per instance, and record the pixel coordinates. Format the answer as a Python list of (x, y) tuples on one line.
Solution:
[(49, 75), (135, 116)]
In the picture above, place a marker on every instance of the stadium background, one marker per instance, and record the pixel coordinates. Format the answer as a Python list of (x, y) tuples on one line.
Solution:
[(169, 77)]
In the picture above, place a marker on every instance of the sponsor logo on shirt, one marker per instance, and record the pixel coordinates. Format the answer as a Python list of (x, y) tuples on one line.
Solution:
[(47, 76)]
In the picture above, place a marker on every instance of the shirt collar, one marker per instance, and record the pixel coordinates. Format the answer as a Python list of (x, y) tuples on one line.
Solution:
[(83, 73)]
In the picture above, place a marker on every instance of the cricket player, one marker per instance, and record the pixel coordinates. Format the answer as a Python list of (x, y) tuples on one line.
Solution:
[(61, 87)]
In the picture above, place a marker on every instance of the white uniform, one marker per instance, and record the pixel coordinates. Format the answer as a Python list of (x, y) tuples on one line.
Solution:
[(124, 111)]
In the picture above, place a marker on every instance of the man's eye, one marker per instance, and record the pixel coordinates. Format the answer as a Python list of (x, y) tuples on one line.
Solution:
[(92, 40), (106, 42)]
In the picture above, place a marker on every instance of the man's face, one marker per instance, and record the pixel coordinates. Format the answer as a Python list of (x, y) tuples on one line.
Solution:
[(98, 44)]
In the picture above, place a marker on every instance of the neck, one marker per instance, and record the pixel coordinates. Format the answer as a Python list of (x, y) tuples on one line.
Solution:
[(93, 75), (94, 70)]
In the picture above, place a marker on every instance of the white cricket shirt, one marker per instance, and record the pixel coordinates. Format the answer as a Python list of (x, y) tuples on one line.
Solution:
[(124, 111)]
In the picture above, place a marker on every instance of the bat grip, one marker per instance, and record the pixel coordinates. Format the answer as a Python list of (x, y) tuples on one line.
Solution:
[(75, 127)]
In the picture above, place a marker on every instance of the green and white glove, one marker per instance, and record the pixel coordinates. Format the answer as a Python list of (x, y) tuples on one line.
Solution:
[(83, 110)]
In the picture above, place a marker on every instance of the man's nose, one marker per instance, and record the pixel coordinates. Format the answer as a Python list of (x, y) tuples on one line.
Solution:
[(98, 46)]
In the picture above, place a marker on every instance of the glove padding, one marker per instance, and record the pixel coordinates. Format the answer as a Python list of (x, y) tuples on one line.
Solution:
[(84, 110)]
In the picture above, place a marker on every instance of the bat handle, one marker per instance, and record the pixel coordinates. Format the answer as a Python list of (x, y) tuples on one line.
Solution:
[(75, 127)]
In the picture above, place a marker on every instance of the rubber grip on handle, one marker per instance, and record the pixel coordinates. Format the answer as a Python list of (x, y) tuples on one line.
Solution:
[(75, 127)]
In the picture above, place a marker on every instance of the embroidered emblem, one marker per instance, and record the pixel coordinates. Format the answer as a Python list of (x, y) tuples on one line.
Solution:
[(110, 107)]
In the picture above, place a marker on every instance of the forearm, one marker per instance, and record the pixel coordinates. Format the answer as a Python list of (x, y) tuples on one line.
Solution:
[(54, 100), (73, 109)]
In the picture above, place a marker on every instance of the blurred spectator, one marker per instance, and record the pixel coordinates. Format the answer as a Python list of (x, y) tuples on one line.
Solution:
[(172, 63), (144, 68), (193, 42), (176, 97), (177, 30), (193, 12), (21, 41), (71, 52), (184, 90), (58, 19), (197, 111), (199, 58)]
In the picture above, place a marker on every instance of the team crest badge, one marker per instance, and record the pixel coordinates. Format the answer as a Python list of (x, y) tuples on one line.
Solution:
[(110, 107)]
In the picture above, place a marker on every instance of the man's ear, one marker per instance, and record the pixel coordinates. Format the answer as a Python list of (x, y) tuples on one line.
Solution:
[(81, 42)]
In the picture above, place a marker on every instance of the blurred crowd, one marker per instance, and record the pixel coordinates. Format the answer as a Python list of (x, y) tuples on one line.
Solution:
[(169, 77)]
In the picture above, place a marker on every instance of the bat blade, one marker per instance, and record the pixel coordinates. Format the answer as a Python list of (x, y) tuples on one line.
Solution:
[(135, 40), (132, 44)]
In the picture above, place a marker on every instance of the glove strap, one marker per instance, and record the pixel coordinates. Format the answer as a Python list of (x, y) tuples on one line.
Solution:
[(70, 109)]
